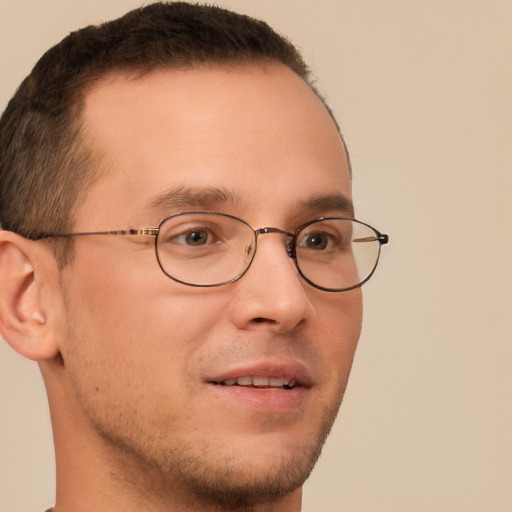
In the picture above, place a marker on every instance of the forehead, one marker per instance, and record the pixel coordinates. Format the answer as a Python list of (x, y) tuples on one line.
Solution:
[(257, 131)]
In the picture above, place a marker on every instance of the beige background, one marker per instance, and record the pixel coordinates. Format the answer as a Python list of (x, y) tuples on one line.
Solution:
[(422, 89)]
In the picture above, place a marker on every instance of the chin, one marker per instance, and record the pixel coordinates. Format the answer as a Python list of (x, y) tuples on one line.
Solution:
[(240, 484), (234, 476)]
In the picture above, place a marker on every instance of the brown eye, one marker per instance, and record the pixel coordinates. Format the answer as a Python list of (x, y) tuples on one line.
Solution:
[(196, 237), (316, 241)]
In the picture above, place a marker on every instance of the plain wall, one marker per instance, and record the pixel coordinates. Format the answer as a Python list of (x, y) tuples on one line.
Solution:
[(422, 89)]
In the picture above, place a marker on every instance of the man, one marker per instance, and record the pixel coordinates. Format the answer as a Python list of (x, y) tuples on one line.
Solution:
[(179, 255)]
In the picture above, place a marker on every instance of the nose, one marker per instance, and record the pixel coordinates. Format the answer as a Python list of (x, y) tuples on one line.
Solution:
[(271, 295)]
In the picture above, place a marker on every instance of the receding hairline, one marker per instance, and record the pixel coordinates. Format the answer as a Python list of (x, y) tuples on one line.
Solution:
[(128, 75)]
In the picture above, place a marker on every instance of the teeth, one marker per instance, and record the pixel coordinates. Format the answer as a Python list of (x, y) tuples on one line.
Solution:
[(260, 382)]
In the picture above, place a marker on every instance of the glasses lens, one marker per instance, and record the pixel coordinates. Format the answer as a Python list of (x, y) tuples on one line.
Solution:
[(337, 254), (204, 249)]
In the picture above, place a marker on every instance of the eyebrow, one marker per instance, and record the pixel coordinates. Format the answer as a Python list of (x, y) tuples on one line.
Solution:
[(211, 198), (328, 203), (206, 198)]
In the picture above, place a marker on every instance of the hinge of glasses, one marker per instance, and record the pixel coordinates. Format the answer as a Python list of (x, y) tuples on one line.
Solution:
[(145, 231)]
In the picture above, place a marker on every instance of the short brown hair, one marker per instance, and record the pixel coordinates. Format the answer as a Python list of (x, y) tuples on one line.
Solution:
[(46, 164)]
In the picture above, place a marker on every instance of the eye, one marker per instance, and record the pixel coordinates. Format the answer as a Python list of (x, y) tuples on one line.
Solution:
[(316, 241), (326, 236), (191, 235), (194, 237)]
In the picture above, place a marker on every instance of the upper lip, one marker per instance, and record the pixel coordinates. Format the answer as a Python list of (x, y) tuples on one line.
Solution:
[(292, 370)]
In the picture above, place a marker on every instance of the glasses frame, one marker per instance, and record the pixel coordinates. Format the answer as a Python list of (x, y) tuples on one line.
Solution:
[(382, 238)]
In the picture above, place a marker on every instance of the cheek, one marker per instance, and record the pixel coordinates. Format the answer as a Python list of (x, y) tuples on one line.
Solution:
[(129, 323), (132, 298), (131, 346), (338, 321)]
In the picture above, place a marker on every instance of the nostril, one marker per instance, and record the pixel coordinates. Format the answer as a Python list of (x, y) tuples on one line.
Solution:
[(260, 320)]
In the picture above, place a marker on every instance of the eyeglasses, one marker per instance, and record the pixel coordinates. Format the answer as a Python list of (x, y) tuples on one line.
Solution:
[(206, 249)]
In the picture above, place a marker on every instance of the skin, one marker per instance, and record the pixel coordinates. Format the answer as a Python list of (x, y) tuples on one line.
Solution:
[(129, 356)]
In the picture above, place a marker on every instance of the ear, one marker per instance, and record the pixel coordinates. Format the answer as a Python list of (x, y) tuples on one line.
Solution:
[(29, 297)]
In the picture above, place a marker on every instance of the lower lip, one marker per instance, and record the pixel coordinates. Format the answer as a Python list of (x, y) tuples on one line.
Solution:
[(264, 399)]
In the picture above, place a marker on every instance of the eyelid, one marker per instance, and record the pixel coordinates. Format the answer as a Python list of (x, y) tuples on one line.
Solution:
[(213, 231), (304, 235)]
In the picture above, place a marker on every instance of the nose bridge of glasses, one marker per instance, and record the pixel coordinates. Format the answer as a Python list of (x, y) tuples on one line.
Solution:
[(290, 237)]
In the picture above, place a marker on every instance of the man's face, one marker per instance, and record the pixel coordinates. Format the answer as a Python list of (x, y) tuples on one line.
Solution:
[(145, 356)]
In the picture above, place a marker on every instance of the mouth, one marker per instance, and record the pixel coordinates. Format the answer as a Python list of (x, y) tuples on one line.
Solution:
[(264, 376), (258, 382), (264, 386)]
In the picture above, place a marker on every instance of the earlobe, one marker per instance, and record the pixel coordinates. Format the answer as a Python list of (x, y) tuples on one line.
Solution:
[(26, 322)]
